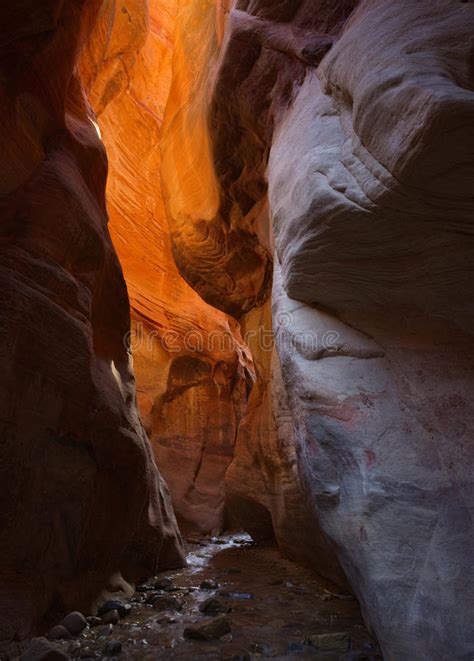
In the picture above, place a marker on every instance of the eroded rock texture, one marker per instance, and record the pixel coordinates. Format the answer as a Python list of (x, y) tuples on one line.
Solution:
[(83, 505), (370, 180), (192, 367)]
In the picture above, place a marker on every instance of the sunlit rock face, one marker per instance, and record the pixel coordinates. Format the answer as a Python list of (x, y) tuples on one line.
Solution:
[(192, 367), (370, 178), (83, 505), (231, 80), (213, 234)]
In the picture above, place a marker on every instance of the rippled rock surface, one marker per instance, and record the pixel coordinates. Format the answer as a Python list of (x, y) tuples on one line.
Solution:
[(83, 504)]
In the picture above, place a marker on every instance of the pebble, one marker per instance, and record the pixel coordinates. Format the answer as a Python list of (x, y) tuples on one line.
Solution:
[(112, 648), (88, 653), (75, 623), (59, 633), (210, 630), (115, 605), (294, 646), (166, 603), (163, 583), (330, 642), (40, 649), (214, 606)]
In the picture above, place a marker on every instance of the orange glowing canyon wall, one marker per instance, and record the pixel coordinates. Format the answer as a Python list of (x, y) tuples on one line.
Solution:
[(191, 365), (205, 395)]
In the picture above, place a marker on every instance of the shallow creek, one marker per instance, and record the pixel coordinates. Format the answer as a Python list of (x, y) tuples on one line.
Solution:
[(276, 609)]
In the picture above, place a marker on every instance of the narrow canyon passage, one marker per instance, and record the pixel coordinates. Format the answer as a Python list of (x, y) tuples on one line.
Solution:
[(236, 329)]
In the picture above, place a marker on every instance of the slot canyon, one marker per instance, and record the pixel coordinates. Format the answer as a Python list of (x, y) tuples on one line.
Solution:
[(236, 323)]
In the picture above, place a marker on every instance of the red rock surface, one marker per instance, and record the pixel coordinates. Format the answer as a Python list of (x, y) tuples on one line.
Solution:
[(191, 365), (83, 505)]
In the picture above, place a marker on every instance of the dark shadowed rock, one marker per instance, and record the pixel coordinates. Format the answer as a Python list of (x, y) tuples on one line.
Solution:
[(210, 630), (167, 603), (72, 440), (40, 649), (59, 632), (111, 617), (163, 583), (75, 623), (214, 606), (114, 605)]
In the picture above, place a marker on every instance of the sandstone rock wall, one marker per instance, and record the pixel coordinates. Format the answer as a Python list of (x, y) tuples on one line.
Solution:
[(370, 178), (83, 506), (191, 365)]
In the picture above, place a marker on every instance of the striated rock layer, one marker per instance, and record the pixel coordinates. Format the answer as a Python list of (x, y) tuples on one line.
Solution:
[(370, 179), (83, 505), (191, 365)]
